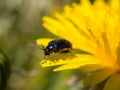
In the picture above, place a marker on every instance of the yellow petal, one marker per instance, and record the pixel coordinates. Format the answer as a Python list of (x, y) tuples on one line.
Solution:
[(68, 25), (78, 62), (55, 24), (85, 2), (90, 68), (113, 83), (61, 29), (43, 41), (74, 66), (79, 22), (57, 59), (115, 4), (71, 61), (99, 3), (97, 77)]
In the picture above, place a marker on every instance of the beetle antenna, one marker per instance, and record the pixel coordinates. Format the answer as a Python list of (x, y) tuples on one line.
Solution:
[(42, 47)]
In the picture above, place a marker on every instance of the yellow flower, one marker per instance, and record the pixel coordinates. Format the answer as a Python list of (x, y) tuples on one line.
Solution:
[(95, 29)]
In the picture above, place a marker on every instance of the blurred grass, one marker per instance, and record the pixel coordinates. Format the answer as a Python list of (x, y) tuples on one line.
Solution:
[(5, 70), (20, 26)]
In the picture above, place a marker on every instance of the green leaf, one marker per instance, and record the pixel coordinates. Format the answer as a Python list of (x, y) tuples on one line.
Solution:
[(4, 69)]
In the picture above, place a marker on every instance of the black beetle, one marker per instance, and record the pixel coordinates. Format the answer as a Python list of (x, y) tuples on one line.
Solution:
[(58, 45)]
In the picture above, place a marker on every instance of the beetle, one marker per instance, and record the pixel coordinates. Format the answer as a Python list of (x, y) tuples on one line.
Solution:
[(58, 45)]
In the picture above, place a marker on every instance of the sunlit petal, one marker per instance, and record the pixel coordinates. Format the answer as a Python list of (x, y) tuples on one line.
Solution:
[(43, 41), (76, 60)]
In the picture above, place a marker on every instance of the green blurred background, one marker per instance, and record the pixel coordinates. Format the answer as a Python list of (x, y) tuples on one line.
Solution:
[(20, 26)]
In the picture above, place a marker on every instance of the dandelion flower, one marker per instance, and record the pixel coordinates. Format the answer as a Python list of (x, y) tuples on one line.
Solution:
[(93, 28)]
